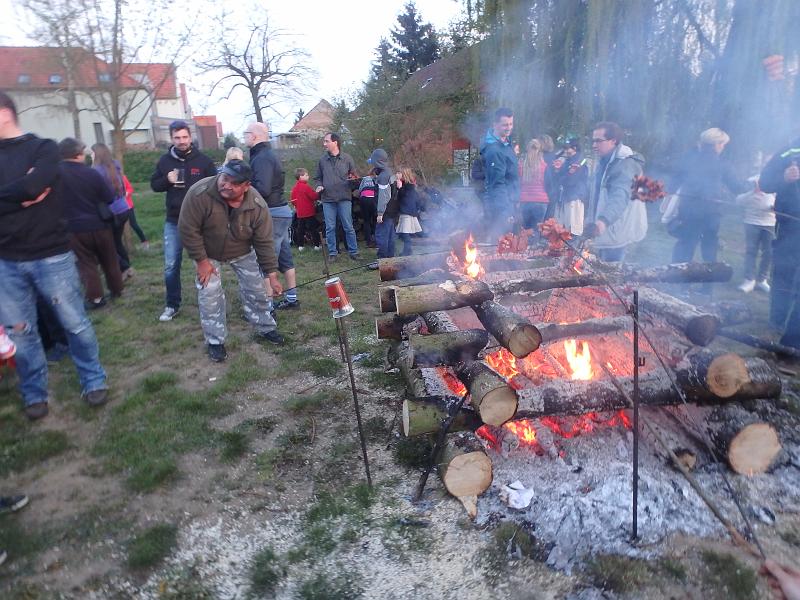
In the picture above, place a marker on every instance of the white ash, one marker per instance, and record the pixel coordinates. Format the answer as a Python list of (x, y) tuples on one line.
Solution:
[(583, 501)]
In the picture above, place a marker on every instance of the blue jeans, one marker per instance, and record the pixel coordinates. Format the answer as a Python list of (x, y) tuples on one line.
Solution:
[(280, 235), (344, 210), (173, 256), (56, 280), (384, 238)]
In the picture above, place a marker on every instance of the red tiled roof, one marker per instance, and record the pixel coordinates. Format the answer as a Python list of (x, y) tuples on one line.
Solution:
[(205, 120), (318, 118), (40, 63), (159, 76)]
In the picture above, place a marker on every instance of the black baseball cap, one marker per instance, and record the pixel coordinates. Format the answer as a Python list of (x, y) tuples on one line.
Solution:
[(238, 170)]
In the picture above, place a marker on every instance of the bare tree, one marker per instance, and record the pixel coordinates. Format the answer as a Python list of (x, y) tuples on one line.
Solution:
[(260, 63), (111, 37)]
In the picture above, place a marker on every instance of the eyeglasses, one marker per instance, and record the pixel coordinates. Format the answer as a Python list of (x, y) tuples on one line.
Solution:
[(598, 140)]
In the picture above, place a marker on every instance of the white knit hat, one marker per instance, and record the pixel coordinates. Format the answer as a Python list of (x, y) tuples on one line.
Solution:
[(713, 136)]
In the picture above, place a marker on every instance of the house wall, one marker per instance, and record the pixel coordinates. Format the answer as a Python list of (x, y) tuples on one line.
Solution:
[(170, 109), (45, 113)]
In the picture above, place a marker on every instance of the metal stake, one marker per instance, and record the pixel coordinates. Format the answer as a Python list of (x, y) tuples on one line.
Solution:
[(635, 312), (327, 272), (346, 344)]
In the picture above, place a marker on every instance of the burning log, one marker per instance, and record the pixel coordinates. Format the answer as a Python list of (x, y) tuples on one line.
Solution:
[(557, 331), (701, 328), (465, 469), (447, 348), (702, 377), (391, 327), (425, 415), (514, 332), (536, 280), (749, 446), (400, 267), (458, 243), (491, 397), (386, 292), (440, 296)]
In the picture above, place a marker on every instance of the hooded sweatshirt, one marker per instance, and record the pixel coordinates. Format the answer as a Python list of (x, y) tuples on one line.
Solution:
[(196, 166), (387, 194), (501, 170), (29, 165)]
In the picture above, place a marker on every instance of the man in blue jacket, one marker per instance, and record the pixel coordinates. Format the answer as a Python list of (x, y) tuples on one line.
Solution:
[(781, 176), (180, 168), (501, 173), (35, 260)]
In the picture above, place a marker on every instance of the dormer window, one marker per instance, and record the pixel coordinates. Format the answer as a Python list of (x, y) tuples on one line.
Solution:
[(104, 77), (55, 78), (23, 78)]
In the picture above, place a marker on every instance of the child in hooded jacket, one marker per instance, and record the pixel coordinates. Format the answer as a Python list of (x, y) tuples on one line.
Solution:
[(408, 204)]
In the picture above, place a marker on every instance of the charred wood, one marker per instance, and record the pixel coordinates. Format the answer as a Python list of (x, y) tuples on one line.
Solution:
[(701, 328), (400, 267), (514, 332), (425, 415), (749, 445), (491, 397), (440, 296), (761, 344), (446, 348)]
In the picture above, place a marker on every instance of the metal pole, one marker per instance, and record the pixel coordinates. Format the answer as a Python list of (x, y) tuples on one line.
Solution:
[(327, 272), (635, 311), (343, 339)]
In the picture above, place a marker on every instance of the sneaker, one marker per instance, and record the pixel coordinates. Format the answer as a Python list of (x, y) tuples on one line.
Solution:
[(317, 248), (763, 286), (168, 314), (373, 266), (285, 304), (217, 353), (333, 258), (128, 274), (355, 256), (12, 503), (96, 397), (748, 285), (95, 304), (300, 248), (273, 337), (36, 411)]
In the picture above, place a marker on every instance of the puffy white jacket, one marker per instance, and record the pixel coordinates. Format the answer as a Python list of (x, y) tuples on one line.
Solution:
[(626, 219)]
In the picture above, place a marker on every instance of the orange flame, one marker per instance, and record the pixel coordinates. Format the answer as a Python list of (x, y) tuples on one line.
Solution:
[(505, 364), (471, 265), (454, 384), (581, 364), (577, 266), (524, 430)]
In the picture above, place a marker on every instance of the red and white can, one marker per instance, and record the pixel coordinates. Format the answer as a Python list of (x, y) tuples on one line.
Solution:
[(7, 346), (337, 297)]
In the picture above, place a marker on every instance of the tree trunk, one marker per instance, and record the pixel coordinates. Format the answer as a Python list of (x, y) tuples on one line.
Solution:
[(703, 378), (425, 415), (447, 348), (514, 332), (755, 342), (491, 397), (749, 446), (701, 328), (386, 292), (536, 280), (400, 267), (440, 296), (557, 331), (464, 467)]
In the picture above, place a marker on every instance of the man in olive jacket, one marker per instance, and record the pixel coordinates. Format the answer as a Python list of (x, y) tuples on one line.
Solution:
[(224, 220)]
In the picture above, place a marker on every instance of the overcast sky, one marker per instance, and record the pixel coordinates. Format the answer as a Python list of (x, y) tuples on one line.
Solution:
[(340, 37)]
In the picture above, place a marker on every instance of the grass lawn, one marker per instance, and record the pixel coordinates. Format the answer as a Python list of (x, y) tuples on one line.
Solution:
[(113, 489)]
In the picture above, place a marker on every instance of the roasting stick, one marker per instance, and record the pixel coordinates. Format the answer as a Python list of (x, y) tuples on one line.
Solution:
[(682, 396), (734, 533)]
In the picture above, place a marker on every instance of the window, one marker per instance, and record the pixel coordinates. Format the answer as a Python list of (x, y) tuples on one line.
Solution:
[(104, 78), (23, 78), (55, 78), (98, 133)]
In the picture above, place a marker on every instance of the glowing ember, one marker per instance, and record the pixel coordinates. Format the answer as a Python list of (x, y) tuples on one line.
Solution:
[(505, 364), (453, 383), (577, 266), (581, 364), (471, 265), (524, 431)]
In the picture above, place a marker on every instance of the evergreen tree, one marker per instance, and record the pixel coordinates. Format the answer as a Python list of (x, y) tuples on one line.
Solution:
[(414, 44), (300, 114)]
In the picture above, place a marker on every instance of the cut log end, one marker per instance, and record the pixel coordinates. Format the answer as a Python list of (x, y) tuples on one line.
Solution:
[(727, 374), (524, 339), (498, 406), (753, 449), (468, 475), (702, 330)]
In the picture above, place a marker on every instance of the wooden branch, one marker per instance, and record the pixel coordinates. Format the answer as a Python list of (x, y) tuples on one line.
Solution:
[(400, 267), (425, 415), (701, 328), (491, 397), (556, 331), (386, 292), (514, 332), (440, 296), (440, 349), (761, 344)]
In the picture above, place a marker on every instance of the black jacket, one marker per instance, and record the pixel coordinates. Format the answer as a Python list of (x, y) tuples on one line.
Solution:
[(787, 196), (268, 174), (81, 189), (197, 166), (28, 165), (408, 200)]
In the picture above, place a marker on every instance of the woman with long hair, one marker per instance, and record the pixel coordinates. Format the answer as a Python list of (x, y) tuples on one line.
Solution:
[(408, 201), (533, 197), (111, 170)]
